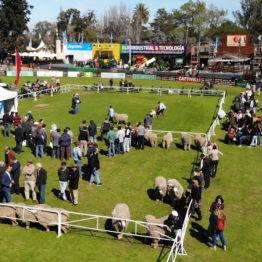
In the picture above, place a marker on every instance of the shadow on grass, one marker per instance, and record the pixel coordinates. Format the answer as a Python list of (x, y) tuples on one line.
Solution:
[(151, 194), (199, 233), (56, 193)]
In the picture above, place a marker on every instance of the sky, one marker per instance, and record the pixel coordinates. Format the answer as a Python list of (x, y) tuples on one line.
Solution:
[(49, 9)]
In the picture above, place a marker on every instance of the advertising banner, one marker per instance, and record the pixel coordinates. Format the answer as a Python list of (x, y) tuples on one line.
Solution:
[(74, 74), (179, 61), (241, 83), (113, 75), (236, 40), (2, 107), (164, 49), (188, 79), (23, 73), (106, 49), (144, 77), (50, 73), (88, 74), (79, 46)]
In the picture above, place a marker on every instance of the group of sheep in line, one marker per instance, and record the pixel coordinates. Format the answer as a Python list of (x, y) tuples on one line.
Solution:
[(167, 140), (163, 187), (34, 214)]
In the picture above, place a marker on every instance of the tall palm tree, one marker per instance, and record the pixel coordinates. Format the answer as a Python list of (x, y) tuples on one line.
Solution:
[(140, 17)]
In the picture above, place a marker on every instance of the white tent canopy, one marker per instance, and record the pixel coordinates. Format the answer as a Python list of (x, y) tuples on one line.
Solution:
[(8, 101)]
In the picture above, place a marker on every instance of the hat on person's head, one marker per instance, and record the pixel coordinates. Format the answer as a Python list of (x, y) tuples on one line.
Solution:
[(29, 161), (174, 213), (29, 112), (36, 123), (90, 144), (76, 94)]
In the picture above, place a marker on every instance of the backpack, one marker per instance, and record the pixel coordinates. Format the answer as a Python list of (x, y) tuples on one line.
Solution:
[(221, 223)]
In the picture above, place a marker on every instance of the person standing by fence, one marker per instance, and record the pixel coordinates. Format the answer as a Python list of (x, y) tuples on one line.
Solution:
[(214, 155), (6, 185), (41, 178), (73, 183), (28, 171)]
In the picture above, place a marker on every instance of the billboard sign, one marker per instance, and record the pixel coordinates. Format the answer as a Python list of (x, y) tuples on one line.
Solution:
[(158, 49), (79, 46), (236, 40), (113, 75), (188, 79)]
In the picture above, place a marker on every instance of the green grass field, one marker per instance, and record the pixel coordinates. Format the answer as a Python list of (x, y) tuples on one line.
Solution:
[(127, 178)]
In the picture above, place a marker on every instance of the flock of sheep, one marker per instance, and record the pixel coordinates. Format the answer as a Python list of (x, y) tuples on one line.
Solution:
[(163, 187), (34, 214)]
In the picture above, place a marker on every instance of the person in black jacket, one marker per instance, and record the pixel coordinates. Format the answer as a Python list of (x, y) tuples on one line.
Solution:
[(73, 183), (41, 177), (76, 103), (63, 175), (19, 137), (94, 165), (196, 192), (15, 174), (92, 129), (206, 164), (39, 145)]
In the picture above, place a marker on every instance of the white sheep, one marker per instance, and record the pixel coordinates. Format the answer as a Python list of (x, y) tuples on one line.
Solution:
[(167, 140), (175, 191), (200, 142), (28, 213), (121, 210), (121, 118), (151, 137), (160, 186), (47, 219), (8, 213), (156, 231), (186, 141)]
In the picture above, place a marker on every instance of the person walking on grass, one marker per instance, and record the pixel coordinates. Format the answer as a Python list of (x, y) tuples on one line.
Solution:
[(6, 185), (94, 167), (214, 155), (41, 178), (63, 175), (217, 222), (73, 183)]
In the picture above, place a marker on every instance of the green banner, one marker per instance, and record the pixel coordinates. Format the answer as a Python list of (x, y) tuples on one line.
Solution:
[(241, 83), (82, 69), (144, 77), (88, 74), (179, 61)]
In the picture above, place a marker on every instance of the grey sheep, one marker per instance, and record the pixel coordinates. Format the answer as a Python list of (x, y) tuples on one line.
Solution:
[(121, 118), (160, 186), (167, 140), (186, 141), (121, 210), (200, 142), (175, 191), (151, 137), (156, 231), (6, 211), (47, 219)]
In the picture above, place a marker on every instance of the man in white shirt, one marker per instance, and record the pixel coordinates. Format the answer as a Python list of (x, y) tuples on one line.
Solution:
[(120, 135), (111, 114), (161, 108)]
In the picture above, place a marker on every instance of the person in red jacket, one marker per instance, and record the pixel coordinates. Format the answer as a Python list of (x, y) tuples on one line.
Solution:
[(16, 120)]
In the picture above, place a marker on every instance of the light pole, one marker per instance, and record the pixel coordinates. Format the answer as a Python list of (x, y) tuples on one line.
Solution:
[(129, 61)]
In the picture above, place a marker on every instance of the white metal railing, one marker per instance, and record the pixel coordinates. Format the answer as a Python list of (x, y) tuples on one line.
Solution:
[(176, 248)]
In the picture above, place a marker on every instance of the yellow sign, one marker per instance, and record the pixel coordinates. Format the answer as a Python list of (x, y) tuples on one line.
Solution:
[(236, 40), (107, 51)]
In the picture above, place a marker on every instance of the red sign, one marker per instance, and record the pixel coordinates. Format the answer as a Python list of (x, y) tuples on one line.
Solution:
[(188, 79), (18, 67)]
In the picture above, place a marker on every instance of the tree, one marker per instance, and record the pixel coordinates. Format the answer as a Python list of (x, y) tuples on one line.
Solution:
[(14, 16), (250, 16), (75, 25), (140, 17)]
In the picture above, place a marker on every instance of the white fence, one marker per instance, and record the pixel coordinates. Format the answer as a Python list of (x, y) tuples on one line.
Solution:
[(177, 247)]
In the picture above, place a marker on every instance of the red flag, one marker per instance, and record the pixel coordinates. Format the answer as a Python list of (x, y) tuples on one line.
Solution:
[(18, 67)]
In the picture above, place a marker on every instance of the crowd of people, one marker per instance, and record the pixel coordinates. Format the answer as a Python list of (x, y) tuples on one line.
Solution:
[(39, 85), (243, 125), (66, 146)]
